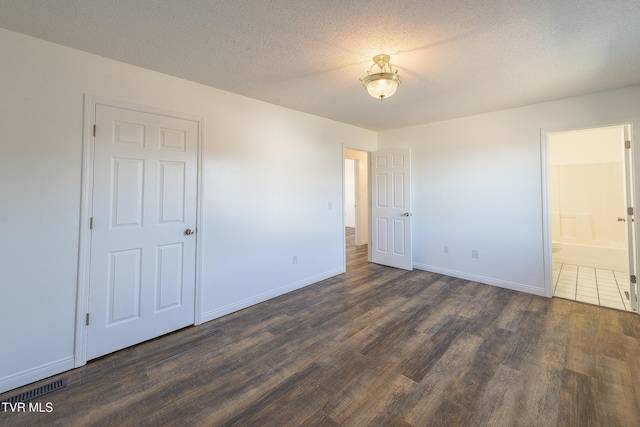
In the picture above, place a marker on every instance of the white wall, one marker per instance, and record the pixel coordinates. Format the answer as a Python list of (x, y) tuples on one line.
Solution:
[(477, 184), (269, 175)]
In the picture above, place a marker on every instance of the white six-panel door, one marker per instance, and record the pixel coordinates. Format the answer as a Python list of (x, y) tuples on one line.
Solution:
[(142, 267), (391, 208)]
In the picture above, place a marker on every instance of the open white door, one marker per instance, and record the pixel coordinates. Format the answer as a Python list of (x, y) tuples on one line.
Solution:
[(633, 285), (391, 208)]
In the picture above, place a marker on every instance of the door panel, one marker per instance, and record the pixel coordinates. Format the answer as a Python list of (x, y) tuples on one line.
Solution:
[(398, 191), (142, 268), (124, 285), (172, 189), (399, 245), (169, 279), (382, 236), (127, 184), (391, 208)]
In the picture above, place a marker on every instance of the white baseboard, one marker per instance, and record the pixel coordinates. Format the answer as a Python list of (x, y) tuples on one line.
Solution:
[(256, 299), (35, 374), (482, 279)]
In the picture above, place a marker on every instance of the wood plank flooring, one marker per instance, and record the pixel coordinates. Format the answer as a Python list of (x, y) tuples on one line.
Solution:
[(375, 346)]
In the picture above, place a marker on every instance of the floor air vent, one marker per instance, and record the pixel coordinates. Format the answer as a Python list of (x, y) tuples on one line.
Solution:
[(37, 392)]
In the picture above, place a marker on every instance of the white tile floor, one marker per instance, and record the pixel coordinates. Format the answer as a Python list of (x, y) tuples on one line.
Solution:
[(591, 285)]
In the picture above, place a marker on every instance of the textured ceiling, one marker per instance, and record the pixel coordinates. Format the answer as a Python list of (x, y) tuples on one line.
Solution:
[(456, 57)]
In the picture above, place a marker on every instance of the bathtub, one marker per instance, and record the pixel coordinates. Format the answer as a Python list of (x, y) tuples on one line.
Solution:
[(605, 257)]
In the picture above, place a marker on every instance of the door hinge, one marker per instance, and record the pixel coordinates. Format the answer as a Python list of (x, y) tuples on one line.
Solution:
[(627, 144), (94, 130), (629, 211), (91, 223), (633, 278), (87, 319)]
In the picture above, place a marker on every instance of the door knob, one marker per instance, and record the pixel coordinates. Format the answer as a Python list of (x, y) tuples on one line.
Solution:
[(188, 232), (621, 220), (406, 214)]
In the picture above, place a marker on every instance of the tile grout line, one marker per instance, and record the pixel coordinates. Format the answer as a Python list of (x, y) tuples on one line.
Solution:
[(620, 292), (555, 288), (575, 294), (624, 303), (595, 275)]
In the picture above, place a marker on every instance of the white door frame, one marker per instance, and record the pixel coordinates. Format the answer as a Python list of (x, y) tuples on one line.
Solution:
[(84, 255), (634, 125), (629, 173)]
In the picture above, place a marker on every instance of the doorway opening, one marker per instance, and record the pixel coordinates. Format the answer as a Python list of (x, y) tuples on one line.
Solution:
[(356, 202), (592, 232)]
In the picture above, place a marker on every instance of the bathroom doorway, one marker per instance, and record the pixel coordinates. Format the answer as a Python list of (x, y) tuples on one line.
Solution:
[(356, 202), (592, 232)]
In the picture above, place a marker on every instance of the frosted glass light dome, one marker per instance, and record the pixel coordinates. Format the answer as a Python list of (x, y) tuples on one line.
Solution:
[(382, 85)]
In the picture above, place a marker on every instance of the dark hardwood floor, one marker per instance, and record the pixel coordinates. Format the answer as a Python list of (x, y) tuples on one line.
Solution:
[(375, 346)]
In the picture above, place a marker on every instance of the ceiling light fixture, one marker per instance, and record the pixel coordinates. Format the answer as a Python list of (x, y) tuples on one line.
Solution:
[(385, 83)]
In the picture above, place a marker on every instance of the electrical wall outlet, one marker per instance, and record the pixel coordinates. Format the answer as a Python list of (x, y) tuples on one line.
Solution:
[(475, 254), (295, 259), (446, 249)]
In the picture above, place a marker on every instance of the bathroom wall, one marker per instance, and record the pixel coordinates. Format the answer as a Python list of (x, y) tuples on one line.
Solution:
[(587, 187)]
